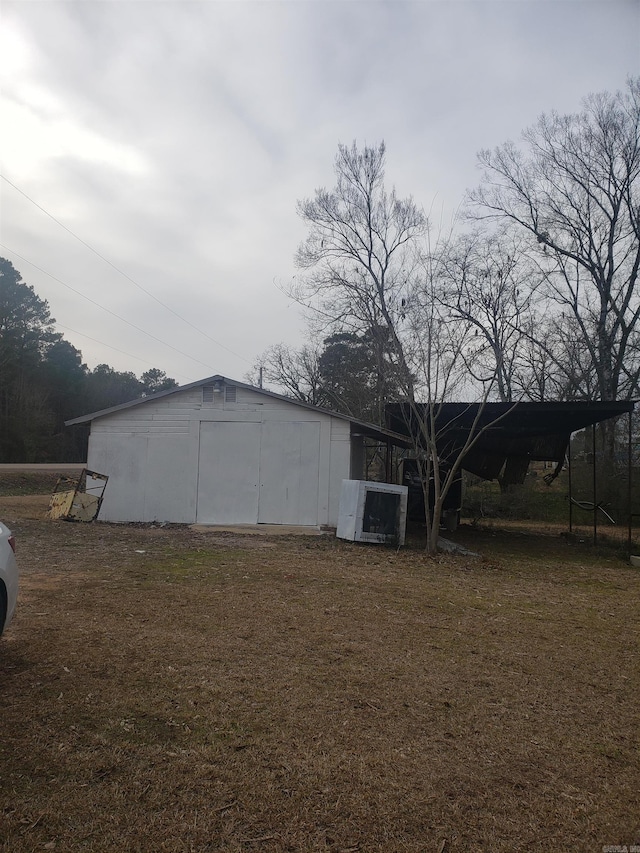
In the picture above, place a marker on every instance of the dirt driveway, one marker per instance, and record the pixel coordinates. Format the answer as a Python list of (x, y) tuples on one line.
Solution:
[(180, 690)]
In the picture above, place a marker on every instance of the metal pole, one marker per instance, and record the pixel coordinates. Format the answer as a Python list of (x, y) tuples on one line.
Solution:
[(595, 507), (570, 490), (629, 470)]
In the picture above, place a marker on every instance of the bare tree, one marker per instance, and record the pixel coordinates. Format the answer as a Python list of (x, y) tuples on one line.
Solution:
[(360, 254), (295, 372), (438, 347), (576, 193), (343, 373), (367, 268), (549, 368), (490, 285)]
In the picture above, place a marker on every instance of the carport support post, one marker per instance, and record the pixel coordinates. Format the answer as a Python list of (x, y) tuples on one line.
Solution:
[(595, 504), (629, 470), (570, 491)]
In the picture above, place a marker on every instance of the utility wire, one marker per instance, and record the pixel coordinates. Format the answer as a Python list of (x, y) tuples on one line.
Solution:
[(123, 352), (122, 273), (108, 310)]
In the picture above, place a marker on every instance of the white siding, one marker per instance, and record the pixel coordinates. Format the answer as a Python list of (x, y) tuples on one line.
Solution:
[(258, 459)]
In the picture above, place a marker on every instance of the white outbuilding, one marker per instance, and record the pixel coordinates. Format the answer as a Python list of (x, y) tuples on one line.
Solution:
[(223, 452)]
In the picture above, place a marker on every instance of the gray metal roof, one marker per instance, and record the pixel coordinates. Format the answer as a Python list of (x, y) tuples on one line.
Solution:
[(370, 430)]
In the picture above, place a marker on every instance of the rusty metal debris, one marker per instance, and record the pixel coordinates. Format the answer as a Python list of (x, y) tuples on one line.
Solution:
[(78, 498)]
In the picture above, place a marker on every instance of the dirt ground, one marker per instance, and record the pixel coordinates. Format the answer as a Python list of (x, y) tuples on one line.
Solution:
[(169, 689)]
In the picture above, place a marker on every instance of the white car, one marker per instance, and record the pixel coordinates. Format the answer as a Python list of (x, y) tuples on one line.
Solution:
[(8, 577)]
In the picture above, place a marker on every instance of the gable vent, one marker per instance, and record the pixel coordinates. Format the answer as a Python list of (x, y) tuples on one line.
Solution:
[(230, 393), (207, 393)]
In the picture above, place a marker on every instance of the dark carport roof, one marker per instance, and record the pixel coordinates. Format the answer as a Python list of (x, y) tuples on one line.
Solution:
[(510, 431)]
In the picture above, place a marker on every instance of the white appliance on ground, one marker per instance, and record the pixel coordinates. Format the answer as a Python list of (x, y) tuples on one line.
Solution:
[(372, 512)]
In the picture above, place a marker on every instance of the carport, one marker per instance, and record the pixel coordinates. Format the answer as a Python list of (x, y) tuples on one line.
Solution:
[(511, 435)]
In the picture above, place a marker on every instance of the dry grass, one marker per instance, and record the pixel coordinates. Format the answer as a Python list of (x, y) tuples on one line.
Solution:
[(27, 483), (164, 689)]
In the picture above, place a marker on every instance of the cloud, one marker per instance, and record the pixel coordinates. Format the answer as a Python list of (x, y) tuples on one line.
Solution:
[(176, 137)]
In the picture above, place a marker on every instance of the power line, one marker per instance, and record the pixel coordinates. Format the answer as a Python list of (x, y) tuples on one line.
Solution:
[(108, 310), (122, 273), (116, 349)]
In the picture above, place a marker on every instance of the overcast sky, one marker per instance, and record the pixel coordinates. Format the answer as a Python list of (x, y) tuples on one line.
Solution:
[(174, 138)]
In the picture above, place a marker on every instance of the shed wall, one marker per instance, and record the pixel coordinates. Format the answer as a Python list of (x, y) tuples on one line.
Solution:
[(257, 460)]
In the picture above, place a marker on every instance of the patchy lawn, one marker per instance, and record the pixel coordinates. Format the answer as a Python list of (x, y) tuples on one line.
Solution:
[(165, 689)]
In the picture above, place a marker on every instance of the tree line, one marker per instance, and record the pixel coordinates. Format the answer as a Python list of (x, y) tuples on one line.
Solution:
[(43, 380)]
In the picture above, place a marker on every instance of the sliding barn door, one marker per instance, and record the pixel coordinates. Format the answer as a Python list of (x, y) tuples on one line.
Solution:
[(289, 460), (228, 473)]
